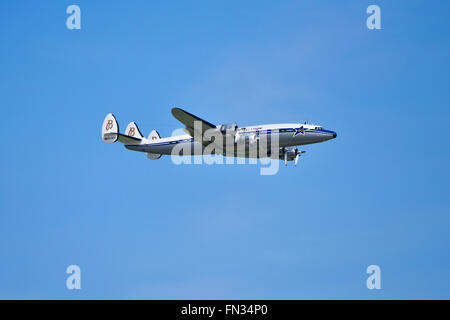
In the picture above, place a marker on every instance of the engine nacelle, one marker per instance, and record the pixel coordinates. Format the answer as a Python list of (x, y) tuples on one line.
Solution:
[(228, 128), (248, 139)]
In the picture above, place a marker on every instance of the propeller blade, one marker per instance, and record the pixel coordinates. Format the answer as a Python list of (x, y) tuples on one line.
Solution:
[(285, 159), (296, 158)]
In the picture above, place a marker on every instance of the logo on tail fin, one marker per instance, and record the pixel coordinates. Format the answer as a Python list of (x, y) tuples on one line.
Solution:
[(131, 132), (109, 125)]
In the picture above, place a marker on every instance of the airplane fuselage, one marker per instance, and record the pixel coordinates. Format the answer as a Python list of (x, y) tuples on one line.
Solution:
[(289, 135)]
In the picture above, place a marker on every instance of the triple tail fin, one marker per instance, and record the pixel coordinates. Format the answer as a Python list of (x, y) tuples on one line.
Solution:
[(131, 138)]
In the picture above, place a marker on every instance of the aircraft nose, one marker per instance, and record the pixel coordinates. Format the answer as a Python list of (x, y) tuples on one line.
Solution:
[(334, 134)]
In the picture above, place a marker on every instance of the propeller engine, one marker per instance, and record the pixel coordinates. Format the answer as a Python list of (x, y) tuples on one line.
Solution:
[(228, 128), (248, 139)]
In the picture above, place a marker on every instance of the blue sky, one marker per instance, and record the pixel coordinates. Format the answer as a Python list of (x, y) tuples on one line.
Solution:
[(141, 229)]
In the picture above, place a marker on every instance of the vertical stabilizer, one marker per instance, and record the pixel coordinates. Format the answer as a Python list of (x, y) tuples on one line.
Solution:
[(132, 130), (154, 135), (110, 129)]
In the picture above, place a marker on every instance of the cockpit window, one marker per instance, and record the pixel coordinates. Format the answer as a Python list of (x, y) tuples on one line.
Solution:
[(318, 128)]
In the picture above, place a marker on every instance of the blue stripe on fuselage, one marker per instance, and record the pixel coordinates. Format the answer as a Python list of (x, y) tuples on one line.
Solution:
[(268, 131)]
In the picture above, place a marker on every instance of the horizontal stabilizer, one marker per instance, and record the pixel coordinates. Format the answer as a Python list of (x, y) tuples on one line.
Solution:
[(128, 140)]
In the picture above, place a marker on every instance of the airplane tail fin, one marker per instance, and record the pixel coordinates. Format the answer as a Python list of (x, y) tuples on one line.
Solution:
[(132, 130), (110, 129), (111, 134), (154, 135)]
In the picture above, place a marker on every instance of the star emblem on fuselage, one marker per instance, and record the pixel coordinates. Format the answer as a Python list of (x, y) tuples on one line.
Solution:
[(299, 130)]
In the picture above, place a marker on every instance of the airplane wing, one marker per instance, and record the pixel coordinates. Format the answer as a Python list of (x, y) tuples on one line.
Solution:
[(188, 120)]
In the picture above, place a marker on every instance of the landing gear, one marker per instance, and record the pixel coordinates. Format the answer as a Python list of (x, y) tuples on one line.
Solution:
[(290, 154)]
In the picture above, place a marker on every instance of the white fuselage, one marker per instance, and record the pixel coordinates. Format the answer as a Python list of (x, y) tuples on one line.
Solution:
[(289, 135)]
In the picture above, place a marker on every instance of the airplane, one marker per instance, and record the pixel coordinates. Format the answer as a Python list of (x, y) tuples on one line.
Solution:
[(290, 135)]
